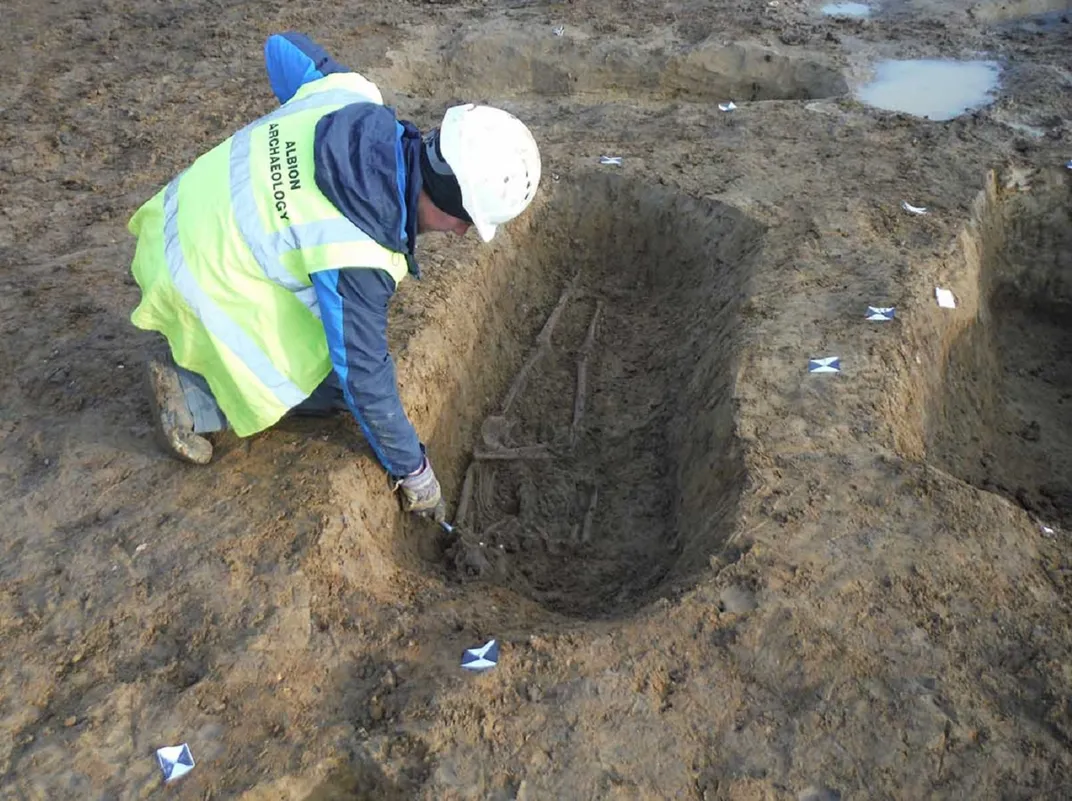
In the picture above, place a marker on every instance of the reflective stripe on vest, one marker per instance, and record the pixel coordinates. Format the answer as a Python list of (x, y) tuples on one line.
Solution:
[(268, 248), (212, 317)]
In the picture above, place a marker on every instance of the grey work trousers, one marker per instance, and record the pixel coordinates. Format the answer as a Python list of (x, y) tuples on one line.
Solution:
[(208, 417)]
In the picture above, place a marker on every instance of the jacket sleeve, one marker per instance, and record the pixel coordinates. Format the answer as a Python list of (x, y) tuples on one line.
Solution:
[(293, 60), (353, 308)]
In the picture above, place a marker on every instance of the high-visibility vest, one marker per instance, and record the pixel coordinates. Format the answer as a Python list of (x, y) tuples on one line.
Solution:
[(225, 251)]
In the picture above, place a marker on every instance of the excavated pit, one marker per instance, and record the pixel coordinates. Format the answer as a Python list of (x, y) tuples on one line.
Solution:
[(1004, 416), (503, 62), (593, 502)]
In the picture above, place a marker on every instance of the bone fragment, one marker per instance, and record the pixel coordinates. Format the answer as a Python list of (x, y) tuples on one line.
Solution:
[(466, 497), (589, 517), (513, 454), (543, 344), (582, 372)]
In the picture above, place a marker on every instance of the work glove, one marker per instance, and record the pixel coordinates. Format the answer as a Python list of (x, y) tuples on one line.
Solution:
[(421, 494)]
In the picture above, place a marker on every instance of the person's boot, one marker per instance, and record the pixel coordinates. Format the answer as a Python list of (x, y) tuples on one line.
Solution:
[(172, 421)]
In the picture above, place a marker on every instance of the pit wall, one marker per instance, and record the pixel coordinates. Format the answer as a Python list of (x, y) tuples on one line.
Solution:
[(946, 397), (495, 61), (965, 408), (703, 435), (931, 332)]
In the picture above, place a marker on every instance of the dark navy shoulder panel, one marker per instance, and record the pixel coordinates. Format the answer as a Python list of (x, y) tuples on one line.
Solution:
[(293, 60), (356, 168), (368, 166)]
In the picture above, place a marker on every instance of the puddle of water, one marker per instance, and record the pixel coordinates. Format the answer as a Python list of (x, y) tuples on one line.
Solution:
[(846, 10), (937, 90)]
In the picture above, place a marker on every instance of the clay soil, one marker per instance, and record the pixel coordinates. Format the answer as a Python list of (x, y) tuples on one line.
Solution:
[(724, 578)]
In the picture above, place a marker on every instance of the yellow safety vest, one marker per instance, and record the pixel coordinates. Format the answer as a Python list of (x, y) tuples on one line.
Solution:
[(225, 251)]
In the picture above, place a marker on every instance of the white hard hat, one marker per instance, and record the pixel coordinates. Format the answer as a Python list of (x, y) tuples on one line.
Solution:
[(495, 160)]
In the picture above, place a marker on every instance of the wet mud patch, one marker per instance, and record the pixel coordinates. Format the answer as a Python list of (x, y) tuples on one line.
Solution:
[(1004, 417), (586, 426), (493, 62)]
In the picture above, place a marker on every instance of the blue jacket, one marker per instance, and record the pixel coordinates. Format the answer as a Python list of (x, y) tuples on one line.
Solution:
[(368, 164)]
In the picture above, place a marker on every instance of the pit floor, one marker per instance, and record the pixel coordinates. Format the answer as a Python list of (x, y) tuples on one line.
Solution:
[(864, 623)]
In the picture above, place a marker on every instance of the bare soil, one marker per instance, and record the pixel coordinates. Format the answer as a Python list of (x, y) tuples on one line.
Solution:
[(726, 578)]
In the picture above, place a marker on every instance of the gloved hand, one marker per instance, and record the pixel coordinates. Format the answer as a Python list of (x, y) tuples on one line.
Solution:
[(421, 494)]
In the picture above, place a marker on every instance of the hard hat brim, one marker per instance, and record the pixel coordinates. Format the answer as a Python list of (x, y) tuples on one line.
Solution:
[(486, 232), (454, 154)]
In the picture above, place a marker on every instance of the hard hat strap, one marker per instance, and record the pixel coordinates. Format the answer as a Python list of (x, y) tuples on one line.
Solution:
[(439, 181)]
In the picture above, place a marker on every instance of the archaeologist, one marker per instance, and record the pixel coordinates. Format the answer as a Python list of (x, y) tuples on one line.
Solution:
[(268, 264)]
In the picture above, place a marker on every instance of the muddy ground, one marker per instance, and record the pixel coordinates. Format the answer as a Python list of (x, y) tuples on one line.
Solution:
[(729, 579)]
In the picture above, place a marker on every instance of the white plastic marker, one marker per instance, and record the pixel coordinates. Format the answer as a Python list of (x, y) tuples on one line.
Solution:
[(827, 364), (559, 30), (914, 209), (945, 298), (482, 658), (615, 161), (727, 106), (879, 313), (175, 761), (1069, 164)]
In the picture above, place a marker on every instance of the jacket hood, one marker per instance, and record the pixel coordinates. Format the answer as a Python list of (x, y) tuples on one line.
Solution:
[(367, 163)]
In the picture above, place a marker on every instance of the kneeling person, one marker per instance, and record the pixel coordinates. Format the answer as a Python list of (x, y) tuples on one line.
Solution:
[(269, 263)]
